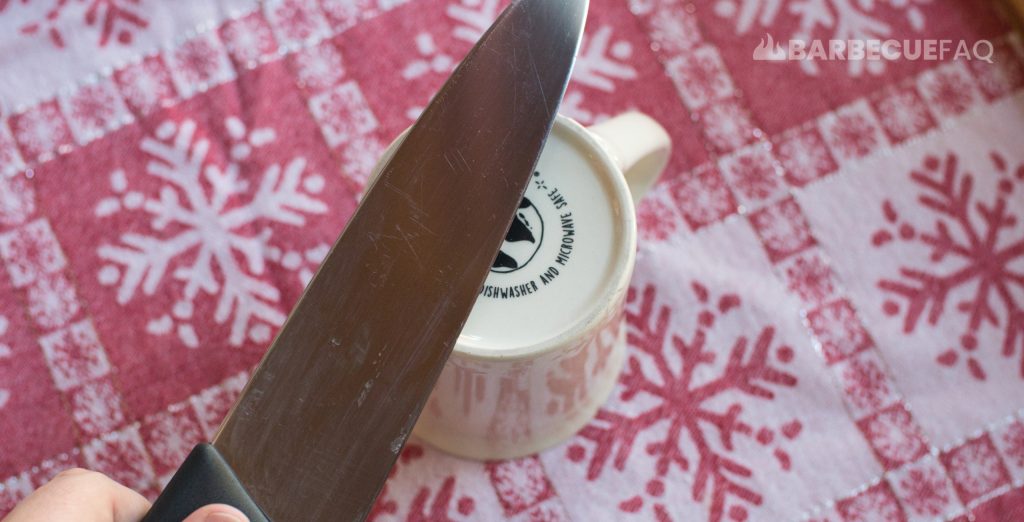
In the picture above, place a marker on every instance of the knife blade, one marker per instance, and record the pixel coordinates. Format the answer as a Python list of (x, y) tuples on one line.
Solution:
[(318, 427)]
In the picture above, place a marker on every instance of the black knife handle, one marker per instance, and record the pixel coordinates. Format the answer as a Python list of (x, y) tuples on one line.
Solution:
[(204, 478)]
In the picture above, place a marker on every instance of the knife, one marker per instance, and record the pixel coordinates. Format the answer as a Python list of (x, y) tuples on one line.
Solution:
[(318, 427)]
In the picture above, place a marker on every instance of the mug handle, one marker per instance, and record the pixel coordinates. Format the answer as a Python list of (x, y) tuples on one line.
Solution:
[(638, 145)]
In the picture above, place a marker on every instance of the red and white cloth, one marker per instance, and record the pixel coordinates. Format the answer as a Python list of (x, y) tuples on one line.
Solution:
[(827, 316)]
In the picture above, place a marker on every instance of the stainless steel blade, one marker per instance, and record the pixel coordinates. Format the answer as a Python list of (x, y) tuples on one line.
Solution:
[(325, 414)]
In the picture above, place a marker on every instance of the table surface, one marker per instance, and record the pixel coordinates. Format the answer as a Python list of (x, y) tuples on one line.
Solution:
[(826, 320)]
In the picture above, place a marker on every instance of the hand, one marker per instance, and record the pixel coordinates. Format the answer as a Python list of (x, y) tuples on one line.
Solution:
[(78, 495)]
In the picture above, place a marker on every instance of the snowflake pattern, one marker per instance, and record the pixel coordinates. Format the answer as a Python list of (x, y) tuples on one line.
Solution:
[(903, 114), (94, 110), (810, 278), (805, 157), (783, 229), (343, 113), (948, 89), (753, 173), (17, 200), (319, 67), (1012, 443), (925, 491), (249, 40), (198, 200), (343, 14), (360, 156), (169, 436), (727, 126), (431, 59), (426, 505), (975, 468), (702, 196), (894, 436), (117, 20), (838, 330), (656, 216), (297, 21), (852, 131), (826, 20), (602, 62), (472, 18), (684, 393), (75, 355), (865, 383), (984, 240), (805, 161), (10, 158), (671, 27), (96, 408), (146, 85), (1001, 77), (52, 301), (41, 131), (700, 77), (876, 504), (199, 63), (523, 487)]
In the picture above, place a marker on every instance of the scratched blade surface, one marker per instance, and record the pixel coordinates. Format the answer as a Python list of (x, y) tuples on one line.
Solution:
[(320, 423)]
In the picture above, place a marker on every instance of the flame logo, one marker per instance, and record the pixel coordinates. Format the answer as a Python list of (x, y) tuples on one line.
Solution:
[(769, 51)]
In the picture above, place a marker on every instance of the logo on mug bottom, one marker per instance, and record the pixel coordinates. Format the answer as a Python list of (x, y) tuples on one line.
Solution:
[(523, 239), (546, 251)]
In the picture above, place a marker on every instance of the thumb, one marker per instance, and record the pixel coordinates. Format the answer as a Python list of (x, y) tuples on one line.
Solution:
[(217, 513), (77, 494)]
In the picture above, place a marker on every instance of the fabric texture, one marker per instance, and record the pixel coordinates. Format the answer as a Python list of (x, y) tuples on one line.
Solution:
[(826, 320)]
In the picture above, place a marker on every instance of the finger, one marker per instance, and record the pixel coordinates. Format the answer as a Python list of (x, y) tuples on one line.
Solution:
[(79, 494), (217, 513)]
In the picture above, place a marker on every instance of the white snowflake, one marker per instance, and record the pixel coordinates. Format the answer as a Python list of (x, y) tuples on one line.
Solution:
[(40, 129), (871, 506), (244, 39), (200, 201), (829, 19), (903, 114), (142, 88), (52, 301), (146, 85), (17, 200), (320, 67), (894, 436), (360, 156), (5, 353), (602, 62), (977, 468), (803, 154), (431, 60), (248, 39), (671, 26), (473, 17)]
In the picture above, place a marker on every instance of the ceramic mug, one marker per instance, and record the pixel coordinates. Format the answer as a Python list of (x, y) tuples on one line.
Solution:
[(545, 341)]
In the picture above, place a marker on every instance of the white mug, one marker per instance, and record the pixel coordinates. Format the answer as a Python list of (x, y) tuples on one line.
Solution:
[(545, 341)]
